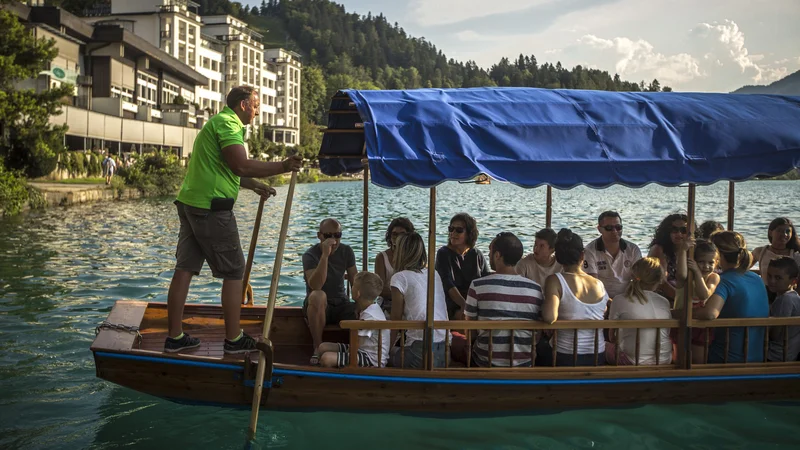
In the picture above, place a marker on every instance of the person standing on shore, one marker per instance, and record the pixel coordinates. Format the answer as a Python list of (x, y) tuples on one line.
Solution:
[(218, 168)]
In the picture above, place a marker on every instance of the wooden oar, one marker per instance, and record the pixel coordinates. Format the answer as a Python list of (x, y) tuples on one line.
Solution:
[(273, 293), (247, 290)]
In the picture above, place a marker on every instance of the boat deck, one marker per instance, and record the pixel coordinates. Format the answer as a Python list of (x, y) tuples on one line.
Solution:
[(289, 335)]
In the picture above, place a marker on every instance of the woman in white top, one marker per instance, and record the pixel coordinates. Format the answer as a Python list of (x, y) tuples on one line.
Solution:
[(383, 262), (574, 295), (410, 301), (639, 302), (783, 241)]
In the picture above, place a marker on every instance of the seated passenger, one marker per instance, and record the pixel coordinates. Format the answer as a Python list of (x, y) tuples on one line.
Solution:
[(410, 301), (542, 262), (504, 295), (639, 302), (609, 258), (783, 241), (706, 279), (366, 288), (574, 295), (707, 228), (669, 235), (324, 268), (383, 262), (740, 294), (781, 280), (459, 262)]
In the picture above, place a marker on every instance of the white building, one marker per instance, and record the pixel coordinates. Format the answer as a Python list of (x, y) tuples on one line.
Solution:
[(223, 49), (287, 66)]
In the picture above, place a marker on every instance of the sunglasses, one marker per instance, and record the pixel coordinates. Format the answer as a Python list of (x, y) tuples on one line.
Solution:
[(681, 230), (613, 227), (395, 233), (332, 235), (458, 230)]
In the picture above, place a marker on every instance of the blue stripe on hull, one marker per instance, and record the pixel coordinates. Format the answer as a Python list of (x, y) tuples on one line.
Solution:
[(499, 382)]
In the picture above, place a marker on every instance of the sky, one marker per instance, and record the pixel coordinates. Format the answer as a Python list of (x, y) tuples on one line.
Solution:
[(690, 45)]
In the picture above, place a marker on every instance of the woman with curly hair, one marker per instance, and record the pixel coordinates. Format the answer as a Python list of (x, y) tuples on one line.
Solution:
[(459, 262), (668, 238), (383, 261), (783, 241)]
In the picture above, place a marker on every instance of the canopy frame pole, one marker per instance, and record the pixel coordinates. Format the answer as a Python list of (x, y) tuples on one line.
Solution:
[(365, 219), (684, 337), (731, 204), (548, 217), (429, 333), (273, 294)]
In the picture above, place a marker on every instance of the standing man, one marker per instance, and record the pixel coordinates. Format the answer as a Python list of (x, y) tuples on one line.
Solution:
[(325, 266), (609, 258), (218, 168), (110, 167)]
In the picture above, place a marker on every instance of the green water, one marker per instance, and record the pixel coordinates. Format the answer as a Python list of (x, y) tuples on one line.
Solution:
[(62, 269)]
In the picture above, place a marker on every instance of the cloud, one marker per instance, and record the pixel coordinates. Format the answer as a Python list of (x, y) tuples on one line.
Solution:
[(443, 12), (638, 59), (712, 52)]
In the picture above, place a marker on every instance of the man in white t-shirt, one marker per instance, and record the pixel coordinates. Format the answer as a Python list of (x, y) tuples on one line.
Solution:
[(609, 258)]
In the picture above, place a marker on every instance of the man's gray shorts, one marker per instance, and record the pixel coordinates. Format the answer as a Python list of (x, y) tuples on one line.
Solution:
[(212, 237)]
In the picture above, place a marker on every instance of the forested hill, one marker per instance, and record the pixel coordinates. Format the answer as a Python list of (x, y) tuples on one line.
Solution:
[(789, 85)]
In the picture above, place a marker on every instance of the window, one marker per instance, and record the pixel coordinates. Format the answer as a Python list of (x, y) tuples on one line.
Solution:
[(206, 63), (181, 52), (214, 66), (192, 61), (168, 92)]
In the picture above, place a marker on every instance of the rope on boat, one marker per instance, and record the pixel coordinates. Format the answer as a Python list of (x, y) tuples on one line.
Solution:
[(115, 326)]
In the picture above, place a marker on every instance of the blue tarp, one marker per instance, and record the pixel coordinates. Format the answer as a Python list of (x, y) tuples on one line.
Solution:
[(564, 138)]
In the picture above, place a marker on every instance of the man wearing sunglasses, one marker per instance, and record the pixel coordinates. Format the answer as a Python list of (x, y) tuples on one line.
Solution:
[(609, 258), (325, 266)]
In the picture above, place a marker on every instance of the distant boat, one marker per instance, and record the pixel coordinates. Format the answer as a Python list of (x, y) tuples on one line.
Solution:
[(480, 179)]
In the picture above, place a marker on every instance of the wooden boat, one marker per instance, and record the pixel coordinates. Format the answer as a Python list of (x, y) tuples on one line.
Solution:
[(128, 346)]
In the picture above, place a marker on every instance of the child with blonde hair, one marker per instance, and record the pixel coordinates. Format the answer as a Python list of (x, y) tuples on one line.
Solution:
[(706, 279), (641, 302), (367, 287)]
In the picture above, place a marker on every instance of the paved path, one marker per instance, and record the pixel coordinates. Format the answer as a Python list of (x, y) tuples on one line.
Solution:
[(64, 188)]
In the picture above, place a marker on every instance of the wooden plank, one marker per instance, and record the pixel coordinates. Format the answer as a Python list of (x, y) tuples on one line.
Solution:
[(558, 325), (760, 322), (124, 312)]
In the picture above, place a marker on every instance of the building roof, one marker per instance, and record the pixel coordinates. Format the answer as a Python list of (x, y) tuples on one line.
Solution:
[(111, 33)]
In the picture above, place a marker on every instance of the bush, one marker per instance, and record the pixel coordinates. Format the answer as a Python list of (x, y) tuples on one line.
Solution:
[(35, 199), (80, 164), (94, 167), (13, 191), (275, 180), (158, 173), (33, 157), (307, 177)]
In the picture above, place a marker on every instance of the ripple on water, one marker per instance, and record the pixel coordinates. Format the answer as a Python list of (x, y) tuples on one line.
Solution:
[(62, 269)]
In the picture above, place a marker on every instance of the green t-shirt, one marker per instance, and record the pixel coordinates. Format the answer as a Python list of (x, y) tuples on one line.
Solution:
[(208, 175)]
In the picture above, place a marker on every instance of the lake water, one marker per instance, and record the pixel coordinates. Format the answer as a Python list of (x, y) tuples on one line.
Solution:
[(62, 269)]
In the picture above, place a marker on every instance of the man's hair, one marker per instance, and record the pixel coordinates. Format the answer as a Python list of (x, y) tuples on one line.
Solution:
[(470, 225), (509, 247), (787, 264), (370, 285), (239, 93), (605, 214), (547, 234), (329, 219)]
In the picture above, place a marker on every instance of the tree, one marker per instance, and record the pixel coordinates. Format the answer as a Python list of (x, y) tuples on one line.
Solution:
[(264, 10), (27, 139), (312, 94), (654, 86), (254, 11)]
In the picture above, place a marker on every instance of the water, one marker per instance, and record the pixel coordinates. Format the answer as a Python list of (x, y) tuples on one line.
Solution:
[(62, 269)]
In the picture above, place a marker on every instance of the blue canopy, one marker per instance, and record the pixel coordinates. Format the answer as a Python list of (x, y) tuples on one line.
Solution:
[(564, 138)]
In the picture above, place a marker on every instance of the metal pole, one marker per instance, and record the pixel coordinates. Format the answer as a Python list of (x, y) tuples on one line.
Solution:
[(731, 202), (431, 281), (549, 214), (365, 216), (686, 323)]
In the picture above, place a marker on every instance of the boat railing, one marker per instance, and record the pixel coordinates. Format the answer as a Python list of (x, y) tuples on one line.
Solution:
[(536, 328)]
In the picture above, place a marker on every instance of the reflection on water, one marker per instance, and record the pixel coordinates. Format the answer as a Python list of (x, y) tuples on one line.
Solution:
[(62, 269)]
